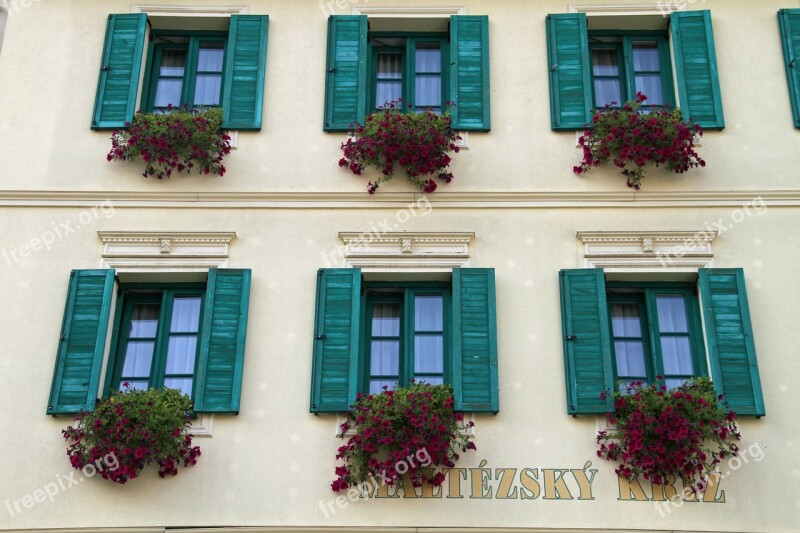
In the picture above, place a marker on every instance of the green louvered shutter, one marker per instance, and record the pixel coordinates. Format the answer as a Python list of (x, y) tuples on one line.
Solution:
[(729, 333), (222, 339), (469, 74), (570, 76), (83, 337), (696, 68), (245, 68), (789, 21), (115, 102), (346, 72), (587, 341), (475, 383), (334, 376)]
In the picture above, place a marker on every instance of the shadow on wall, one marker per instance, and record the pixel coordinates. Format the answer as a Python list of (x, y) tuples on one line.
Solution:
[(3, 18)]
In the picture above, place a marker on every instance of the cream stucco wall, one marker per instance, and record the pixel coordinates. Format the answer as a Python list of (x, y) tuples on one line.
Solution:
[(287, 201)]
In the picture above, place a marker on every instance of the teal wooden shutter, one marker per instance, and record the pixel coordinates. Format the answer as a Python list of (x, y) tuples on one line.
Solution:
[(570, 76), (789, 21), (83, 338), (218, 383), (346, 72), (587, 341), (729, 333), (474, 362), (245, 67), (696, 68), (469, 72), (335, 366), (115, 102)]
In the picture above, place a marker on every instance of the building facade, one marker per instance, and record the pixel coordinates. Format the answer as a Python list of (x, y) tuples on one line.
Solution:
[(525, 268)]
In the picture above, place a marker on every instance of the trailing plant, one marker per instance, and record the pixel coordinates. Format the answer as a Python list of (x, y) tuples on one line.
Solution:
[(668, 434), (412, 429), (177, 141), (418, 143), (631, 138), (137, 427)]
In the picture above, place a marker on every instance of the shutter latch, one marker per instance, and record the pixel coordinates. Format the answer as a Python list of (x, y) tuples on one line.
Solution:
[(554, 67), (332, 69), (570, 338), (320, 336), (62, 337), (105, 68), (791, 63)]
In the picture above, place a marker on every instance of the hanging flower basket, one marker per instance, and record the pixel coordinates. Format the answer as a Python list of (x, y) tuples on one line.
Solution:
[(131, 429), (631, 139), (417, 143), (180, 140), (411, 430), (669, 434)]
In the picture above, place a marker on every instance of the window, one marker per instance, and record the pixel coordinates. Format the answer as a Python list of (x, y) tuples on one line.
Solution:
[(371, 334), (590, 68), (616, 332), (654, 332), (405, 335), (185, 336), (182, 67), (366, 69), (157, 345), (626, 63), (185, 70)]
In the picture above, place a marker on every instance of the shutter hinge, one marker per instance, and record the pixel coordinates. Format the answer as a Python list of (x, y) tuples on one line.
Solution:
[(331, 69), (62, 337), (554, 68), (570, 338), (791, 63), (104, 68), (320, 336)]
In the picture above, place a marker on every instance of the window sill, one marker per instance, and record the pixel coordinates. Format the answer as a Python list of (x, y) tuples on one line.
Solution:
[(202, 426)]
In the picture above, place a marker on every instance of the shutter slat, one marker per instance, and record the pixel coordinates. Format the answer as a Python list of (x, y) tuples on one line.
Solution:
[(222, 341), (469, 75), (569, 66), (118, 85), (732, 354), (80, 352), (336, 344), (587, 341), (696, 68), (245, 70), (475, 379), (346, 72), (789, 23)]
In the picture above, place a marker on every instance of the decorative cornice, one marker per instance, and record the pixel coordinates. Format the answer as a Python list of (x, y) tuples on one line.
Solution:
[(361, 200), (165, 251), (393, 251), (188, 10), (651, 251)]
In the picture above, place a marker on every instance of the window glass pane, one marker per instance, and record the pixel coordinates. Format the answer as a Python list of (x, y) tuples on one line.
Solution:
[(207, 89), (134, 384), (630, 359), (185, 314), (605, 62), (180, 355), (432, 380), (387, 91), (672, 314), (384, 358), (428, 313), (168, 92), (173, 63), (210, 57), (625, 320), (183, 384), (674, 383), (607, 92), (650, 84), (429, 91), (390, 66), (645, 56), (386, 320), (144, 320), (138, 358), (677, 354), (376, 385), (429, 57), (429, 354)]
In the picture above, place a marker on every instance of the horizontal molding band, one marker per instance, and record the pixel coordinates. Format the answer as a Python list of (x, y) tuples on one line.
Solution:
[(362, 200)]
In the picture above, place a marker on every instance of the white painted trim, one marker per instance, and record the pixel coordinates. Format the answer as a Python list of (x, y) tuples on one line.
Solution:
[(203, 425), (176, 10), (622, 197), (164, 252), (648, 251), (409, 12), (622, 9), (394, 252)]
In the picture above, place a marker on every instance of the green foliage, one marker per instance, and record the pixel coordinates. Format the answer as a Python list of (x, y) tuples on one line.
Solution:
[(135, 427)]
